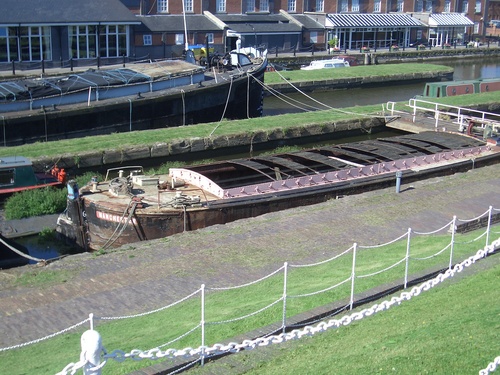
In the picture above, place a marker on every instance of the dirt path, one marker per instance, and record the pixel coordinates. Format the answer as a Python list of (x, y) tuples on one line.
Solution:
[(147, 275)]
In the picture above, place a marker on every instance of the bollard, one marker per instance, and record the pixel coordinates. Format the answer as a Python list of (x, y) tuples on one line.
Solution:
[(91, 352), (399, 174)]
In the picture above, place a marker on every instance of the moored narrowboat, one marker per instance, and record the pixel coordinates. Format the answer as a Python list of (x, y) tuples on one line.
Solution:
[(453, 88), (17, 174)]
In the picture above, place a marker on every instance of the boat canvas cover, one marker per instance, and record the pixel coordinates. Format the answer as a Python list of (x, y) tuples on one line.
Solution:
[(26, 89)]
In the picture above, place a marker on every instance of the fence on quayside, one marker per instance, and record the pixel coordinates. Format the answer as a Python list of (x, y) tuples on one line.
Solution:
[(340, 277)]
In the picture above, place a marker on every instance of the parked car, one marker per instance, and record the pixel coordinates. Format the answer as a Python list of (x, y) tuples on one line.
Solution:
[(419, 42)]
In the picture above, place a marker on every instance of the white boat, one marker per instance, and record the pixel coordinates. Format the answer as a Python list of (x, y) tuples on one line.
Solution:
[(326, 64)]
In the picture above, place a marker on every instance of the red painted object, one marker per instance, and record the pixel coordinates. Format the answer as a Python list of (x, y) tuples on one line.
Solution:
[(17, 174)]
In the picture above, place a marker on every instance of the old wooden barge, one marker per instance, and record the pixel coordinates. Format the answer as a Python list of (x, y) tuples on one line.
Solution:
[(134, 207)]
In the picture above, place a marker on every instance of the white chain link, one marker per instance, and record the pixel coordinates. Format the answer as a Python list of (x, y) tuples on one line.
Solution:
[(382, 270), (323, 261), (471, 241), (248, 315), (492, 366), (181, 336), (250, 283), (433, 231), (321, 291), (433, 255), (218, 349), (151, 311), (476, 218), (384, 244), (72, 368), (45, 337)]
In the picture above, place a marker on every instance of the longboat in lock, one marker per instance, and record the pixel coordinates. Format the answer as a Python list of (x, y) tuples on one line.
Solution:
[(142, 96), (135, 207)]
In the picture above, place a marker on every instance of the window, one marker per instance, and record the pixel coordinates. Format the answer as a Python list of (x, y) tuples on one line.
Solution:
[(90, 41), (162, 6), (447, 6), (401, 5), (35, 43), (179, 39), (419, 6), (264, 5), (147, 40), (7, 177), (313, 37), (292, 5), (465, 7), (428, 5), (320, 5), (8, 44), (377, 6), (344, 6), (188, 6), (478, 6), (250, 5), (210, 37), (113, 40), (355, 6), (221, 6)]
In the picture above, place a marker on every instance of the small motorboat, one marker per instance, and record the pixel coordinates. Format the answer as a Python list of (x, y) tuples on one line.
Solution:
[(326, 64)]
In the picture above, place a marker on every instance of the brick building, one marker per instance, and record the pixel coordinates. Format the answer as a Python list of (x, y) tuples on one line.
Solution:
[(57, 30)]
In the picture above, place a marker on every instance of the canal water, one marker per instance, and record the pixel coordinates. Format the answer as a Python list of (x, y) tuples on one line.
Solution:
[(463, 70)]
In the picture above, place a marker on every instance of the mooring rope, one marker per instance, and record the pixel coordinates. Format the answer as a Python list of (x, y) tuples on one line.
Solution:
[(225, 107), (323, 104), (18, 252), (122, 224)]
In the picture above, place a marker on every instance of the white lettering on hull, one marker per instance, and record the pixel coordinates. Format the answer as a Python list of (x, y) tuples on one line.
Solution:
[(114, 218)]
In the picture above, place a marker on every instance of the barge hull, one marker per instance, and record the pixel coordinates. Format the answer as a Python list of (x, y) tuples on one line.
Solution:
[(233, 95), (111, 225)]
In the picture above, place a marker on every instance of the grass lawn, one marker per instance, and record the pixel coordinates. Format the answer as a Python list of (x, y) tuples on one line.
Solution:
[(417, 323), (250, 126), (451, 329), (384, 70)]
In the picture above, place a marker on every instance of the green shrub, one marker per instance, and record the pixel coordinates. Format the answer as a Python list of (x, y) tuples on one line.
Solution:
[(35, 202), (44, 201)]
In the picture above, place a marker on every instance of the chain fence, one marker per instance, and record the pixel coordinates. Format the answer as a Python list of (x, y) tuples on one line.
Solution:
[(357, 264)]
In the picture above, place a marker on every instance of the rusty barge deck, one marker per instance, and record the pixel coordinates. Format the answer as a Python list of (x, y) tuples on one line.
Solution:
[(148, 207)]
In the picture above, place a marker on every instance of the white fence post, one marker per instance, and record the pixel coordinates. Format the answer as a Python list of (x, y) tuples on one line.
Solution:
[(202, 323), (91, 352), (407, 256), (488, 228), (452, 244), (283, 322), (353, 274)]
